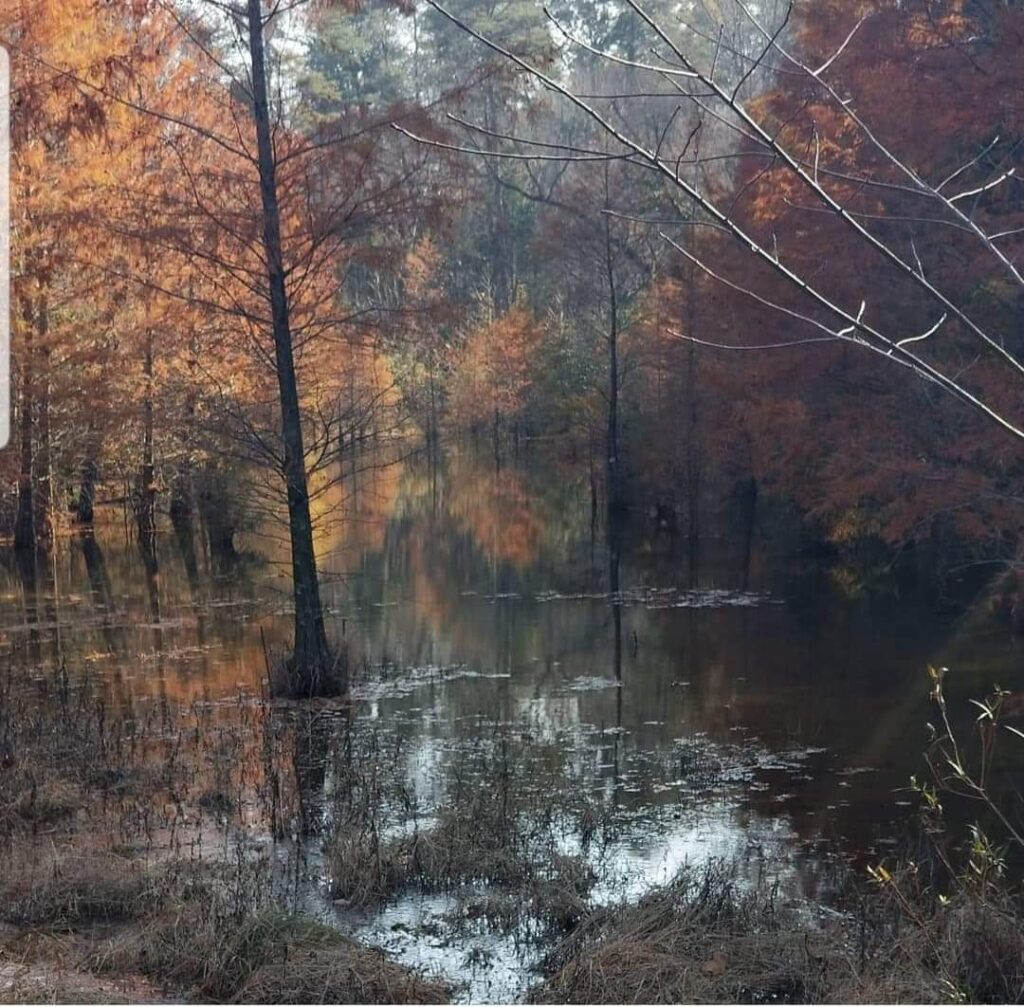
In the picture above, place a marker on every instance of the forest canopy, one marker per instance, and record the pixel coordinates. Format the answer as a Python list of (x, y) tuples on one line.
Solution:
[(712, 248)]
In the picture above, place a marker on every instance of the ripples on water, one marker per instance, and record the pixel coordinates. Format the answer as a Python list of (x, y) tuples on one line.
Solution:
[(739, 709)]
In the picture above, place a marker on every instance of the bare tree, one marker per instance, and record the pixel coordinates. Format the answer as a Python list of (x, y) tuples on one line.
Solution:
[(696, 78)]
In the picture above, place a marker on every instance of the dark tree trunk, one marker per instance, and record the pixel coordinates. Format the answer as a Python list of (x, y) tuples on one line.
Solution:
[(151, 564), (146, 505), (101, 590), (85, 505), (496, 439), (614, 593), (311, 657), (694, 447), (218, 521), (96, 569), (181, 501), (748, 502), (500, 239), (25, 522), (42, 462), (593, 488), (181, 521), (26, 564), (616, 501), (311, 755), (432, 421)]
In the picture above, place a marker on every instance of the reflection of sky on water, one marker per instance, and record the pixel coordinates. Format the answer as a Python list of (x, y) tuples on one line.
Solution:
[(646, 848), (672, 809), (740, 709)]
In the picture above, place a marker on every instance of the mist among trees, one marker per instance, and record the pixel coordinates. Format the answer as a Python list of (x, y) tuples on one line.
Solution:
[(637, 388)]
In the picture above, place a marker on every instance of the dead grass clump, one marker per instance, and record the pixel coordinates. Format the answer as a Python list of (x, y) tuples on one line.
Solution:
[(498, 826), (204, 947), (333, 969), (706, 940), (365, 870), (37, 991), (73, 891), (470, 844), (696, 941), (286, 680), (541, 909), (465, 846), (968, 948), (560, 899), (982, 939)]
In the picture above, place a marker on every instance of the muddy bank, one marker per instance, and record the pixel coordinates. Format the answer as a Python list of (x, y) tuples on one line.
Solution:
[(145, 855), (102, 928), (242, 849)]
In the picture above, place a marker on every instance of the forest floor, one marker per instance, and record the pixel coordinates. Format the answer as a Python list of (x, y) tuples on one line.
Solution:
[(118, 882)]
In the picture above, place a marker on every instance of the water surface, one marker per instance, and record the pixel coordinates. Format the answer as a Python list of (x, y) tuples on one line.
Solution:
[(730, 701)]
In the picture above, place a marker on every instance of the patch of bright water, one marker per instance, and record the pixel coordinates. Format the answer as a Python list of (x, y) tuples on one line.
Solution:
[(755, 715), (667, 812)]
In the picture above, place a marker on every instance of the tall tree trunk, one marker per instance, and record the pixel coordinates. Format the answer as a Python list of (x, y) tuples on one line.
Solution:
[(500, 237), (181, 500), (432, 421), (85, 505), (181, 505), (146, 512), (694, 459), (218, 520), (496, 439), (311, 658), (25, 522), (42, 461), (748, 501), (615, 489), (694, 446)]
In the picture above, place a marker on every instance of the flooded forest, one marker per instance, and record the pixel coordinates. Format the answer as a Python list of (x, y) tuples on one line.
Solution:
[(511, 503)]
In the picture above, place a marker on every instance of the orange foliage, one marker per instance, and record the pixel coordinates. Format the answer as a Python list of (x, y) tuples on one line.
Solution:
[(825, 422), (494, 371)]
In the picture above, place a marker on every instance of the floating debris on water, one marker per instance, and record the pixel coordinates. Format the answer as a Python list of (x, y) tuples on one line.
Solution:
[(392, 682), (588, 683), (668, 597)]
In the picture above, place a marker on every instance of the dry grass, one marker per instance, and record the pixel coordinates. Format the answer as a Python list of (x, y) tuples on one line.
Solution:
[(196, 931), (80, 923), (493, 843), (699, 940), (265, 956), (705, 940), (968, 947), (72, 891), (62, 990), (90, 926), (499, 827), (45, 966)]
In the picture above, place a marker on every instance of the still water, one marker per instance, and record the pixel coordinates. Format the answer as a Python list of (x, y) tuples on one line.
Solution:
[(469, 596)]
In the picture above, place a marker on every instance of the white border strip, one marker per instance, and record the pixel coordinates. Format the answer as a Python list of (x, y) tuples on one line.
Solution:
[(5, 248)]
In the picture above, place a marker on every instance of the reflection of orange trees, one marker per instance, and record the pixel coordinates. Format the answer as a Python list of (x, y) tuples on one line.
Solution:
[(214, 751), (351, 516), (192, 673), (163, 776), (499, 514)]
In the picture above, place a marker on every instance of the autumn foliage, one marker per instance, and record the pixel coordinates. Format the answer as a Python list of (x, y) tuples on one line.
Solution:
[(436, 294)]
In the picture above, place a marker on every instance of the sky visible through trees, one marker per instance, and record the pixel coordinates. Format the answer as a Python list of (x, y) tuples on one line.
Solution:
[(704, 246), (506, 478)]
